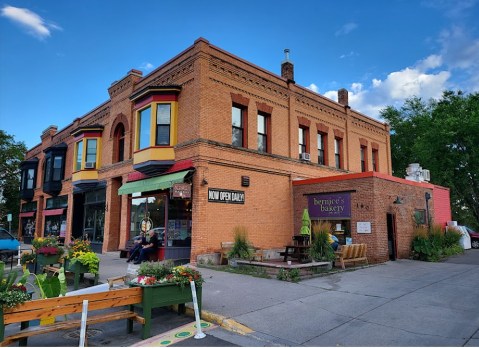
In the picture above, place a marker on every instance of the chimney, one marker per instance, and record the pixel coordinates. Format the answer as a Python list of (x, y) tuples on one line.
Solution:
[(49, 132), (343, 97), (287, 67)]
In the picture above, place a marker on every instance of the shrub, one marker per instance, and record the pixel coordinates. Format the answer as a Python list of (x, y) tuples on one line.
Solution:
[(435, 244), (321, 249), (241, 247)]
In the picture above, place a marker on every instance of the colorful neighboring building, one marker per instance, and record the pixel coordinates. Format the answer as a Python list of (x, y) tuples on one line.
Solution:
[(204, 143)]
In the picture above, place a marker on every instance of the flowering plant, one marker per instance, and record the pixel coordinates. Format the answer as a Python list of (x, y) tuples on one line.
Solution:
[(47, 246), (77, 246), (153, 273), (27, 257), (89, 259), (11, 293)]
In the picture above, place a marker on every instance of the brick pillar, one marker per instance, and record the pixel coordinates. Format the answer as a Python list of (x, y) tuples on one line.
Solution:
[(343, 97)]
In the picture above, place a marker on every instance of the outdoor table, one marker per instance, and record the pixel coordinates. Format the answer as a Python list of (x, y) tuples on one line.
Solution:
[(299, 252)]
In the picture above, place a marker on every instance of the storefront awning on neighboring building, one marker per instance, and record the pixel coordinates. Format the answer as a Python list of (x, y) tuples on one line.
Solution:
[(152, 184), (27, 214), (52, 212)]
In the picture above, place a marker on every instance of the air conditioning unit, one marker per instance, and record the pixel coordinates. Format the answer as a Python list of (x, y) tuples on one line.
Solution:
[(426, 175), (90, 165), (305, 156)]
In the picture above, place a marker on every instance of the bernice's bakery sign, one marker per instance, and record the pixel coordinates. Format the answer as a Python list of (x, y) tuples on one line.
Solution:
[(330, 205)]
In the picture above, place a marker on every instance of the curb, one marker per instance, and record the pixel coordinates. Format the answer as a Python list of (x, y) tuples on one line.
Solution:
[(226, 323)]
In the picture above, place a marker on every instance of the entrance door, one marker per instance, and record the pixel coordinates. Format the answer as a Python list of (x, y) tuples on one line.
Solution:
[(391, 222)]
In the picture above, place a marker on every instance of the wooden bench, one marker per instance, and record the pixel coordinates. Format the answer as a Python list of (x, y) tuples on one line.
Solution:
[(61, 306), (125, 252), (227, 246), (351, 253)]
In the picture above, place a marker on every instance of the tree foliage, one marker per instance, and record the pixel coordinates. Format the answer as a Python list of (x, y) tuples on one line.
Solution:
[(443, 136), (11, 154)]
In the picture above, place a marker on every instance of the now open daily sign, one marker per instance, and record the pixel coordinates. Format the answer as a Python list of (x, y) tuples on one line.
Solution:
[(225, 196), (330, 205)]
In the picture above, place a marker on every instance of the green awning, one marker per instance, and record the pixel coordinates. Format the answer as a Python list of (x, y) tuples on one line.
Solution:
[(152, 184)]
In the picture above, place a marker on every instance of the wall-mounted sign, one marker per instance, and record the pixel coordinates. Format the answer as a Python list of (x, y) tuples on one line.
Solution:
[(330, 205), (225, 196), (363, 227), (181, 190)]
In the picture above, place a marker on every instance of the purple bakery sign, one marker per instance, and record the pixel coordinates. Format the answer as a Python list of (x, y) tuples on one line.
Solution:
[(330, 205)]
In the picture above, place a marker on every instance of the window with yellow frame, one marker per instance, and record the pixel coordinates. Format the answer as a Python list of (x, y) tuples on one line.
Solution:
[(156, 125)]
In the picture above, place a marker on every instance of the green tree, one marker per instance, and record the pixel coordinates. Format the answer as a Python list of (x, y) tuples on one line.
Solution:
[(443, 136), (11, 154)]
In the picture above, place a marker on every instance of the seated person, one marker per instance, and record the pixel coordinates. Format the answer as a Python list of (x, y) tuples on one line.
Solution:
[(139, 241), (149, 248), (333, 240)]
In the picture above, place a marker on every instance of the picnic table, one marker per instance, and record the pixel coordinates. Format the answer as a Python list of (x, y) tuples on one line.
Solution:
[(299, 252)]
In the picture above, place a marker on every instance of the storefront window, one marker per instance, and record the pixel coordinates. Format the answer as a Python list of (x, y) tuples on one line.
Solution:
[(161, 213), (55, 225), (94, 222), (148, 213)]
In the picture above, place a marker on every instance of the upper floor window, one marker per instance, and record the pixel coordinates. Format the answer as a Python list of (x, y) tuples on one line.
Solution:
[(303, 140), (363, 153), (156, 118), (337, 152), (87, 147), (375, 159), (163, 124), (322, 138), (144, 131), (54, 168), (119, 148), (238, 126), (79, 155), (28, 170), (263, 133), (91, 152)]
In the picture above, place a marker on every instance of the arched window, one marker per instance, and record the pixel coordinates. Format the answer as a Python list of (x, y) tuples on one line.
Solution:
[(119, 146)]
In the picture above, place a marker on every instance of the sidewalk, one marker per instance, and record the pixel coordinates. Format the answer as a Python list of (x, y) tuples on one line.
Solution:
[(400, 303)]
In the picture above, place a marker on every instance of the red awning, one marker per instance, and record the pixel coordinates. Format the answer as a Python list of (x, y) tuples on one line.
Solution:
[(52, 212), (27, 214)]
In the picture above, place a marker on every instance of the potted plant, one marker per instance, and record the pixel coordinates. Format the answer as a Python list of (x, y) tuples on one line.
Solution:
[(27, 260), (241, 248), (81, 258), (165, 285), (12, 293), (321, 249), (47, 251)]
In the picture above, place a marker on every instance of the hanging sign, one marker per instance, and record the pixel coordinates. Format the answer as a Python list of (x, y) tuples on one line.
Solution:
[(181, 190), (225, 196)]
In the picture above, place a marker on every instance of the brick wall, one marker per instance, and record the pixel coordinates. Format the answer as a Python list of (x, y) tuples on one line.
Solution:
[(372, 197)]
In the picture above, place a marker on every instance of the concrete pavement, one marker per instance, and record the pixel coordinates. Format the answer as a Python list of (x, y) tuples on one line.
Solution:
[(400, 303)]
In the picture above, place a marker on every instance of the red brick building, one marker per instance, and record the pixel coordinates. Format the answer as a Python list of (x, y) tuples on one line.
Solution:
[(204, 143)]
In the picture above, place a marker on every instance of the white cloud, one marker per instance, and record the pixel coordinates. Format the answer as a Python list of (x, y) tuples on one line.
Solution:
[(147, 66), (32, 22), (454, 66), (346, 29), (313, 87), (347, 55)]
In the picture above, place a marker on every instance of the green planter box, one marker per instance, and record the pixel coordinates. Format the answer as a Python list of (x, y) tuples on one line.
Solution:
[(45, 260), (78, 269), (163, 295)]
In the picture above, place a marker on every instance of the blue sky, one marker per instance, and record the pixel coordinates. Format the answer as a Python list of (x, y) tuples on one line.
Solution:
[(57, 58)]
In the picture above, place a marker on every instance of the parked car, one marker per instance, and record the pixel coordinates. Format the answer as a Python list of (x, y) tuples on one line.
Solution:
[(474, 237), (7, 243)]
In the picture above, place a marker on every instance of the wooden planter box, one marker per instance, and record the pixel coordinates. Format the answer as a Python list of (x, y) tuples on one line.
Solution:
[(163, 295), (44, 260), (78, 269)]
